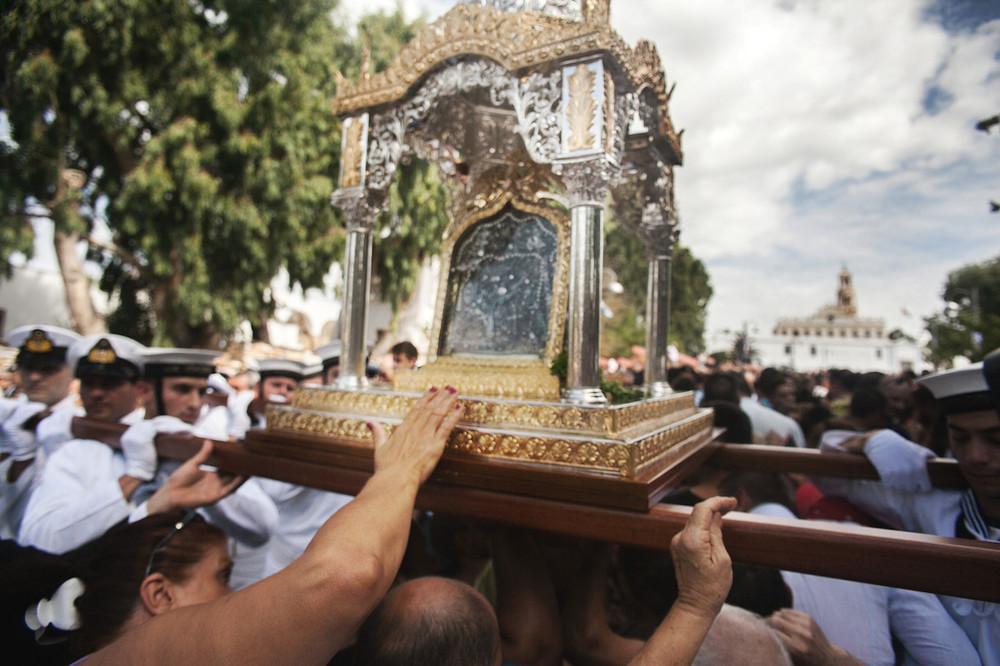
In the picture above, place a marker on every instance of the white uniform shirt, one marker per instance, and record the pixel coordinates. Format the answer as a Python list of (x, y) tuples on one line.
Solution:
[(302, 511), (14, 496), (862, 618), (78, 498), (932, 512), (766, 420)]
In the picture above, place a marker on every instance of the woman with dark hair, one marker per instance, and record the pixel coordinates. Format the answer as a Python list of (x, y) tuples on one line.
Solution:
[(156, 591), (74, 604), (138, 571)]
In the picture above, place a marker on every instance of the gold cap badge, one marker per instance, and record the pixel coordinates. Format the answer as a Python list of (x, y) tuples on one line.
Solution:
[(38, 342), (102, 353)]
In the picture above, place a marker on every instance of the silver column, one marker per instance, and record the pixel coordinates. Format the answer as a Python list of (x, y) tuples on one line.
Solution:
[(658, 326), (354, 315), (583, 375)]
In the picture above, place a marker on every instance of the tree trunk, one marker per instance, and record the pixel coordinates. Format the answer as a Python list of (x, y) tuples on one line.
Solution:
[(85, 319)]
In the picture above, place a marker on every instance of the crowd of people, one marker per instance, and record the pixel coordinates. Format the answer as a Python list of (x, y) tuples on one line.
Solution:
[(112, 554)]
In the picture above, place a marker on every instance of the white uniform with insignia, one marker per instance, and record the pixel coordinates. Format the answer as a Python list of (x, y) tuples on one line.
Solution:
[(38, 347), (862, 618), (905, 499)]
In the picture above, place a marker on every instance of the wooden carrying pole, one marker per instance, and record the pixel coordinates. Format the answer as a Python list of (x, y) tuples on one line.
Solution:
[(882, 557)]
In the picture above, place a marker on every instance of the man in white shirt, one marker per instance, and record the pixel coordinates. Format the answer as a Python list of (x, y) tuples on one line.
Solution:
[(279, 377), (46, 382), (302, 511), (110, 371), (904, 498), (180, 380), (769, 426), (87, 487)]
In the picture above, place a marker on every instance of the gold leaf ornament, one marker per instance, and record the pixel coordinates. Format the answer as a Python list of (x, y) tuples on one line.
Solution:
[(581, 108), (351, 157)]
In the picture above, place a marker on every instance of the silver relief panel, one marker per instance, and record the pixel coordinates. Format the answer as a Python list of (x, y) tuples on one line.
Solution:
[(500, 287)]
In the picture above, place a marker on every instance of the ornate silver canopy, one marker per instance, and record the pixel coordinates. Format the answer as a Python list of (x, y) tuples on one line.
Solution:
[(532, 104)]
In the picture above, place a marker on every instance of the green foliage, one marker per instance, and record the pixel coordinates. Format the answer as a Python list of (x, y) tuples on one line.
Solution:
[(615, 392), (690, 291), (971, 309), (208, 142), (413, 226)]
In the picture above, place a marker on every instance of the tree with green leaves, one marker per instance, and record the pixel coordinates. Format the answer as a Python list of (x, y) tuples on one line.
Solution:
[(690, 291), (201, 130), (969, 322)]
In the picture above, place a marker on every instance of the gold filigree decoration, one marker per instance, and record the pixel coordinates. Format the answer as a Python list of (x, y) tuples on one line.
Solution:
[(581, 108), (609, 112), (350, 161), (627, 459), (515, 40), (520, 178), (597, 11), (629, 420), (649, 75), (484, 376)]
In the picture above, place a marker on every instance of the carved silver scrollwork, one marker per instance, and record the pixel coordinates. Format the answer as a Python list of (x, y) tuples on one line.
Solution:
[(460, 77), (567, 9), (388, 129), (625, 108), (587, 182), (385, 147), (659, 230), (648, 110), (537, 106), (359, 211)]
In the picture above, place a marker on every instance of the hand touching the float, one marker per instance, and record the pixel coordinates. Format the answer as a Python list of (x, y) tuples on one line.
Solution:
[(806, 641), (415, 445), (702, 565), (190, 486)]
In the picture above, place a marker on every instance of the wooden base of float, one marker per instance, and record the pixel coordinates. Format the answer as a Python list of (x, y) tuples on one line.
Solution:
[(878, 556), (624, 456)]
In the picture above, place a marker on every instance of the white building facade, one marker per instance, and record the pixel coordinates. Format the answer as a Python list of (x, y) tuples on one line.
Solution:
[(834, 337)]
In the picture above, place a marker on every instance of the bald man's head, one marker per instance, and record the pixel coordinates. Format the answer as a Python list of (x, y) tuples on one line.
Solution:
[(740, 637), (430, 621)]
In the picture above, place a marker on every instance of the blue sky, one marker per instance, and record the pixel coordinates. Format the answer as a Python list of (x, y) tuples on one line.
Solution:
[(825, 133)]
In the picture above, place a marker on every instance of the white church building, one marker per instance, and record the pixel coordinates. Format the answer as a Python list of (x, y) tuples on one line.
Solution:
[(836, 337)]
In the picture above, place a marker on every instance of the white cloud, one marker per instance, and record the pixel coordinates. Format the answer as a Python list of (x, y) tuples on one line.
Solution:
[(808, 145)]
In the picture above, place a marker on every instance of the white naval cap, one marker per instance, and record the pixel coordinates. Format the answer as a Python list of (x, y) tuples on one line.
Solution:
[(41, 344), (108, 355), (970, 389), (281, 367), (175, 362), (330, 353)]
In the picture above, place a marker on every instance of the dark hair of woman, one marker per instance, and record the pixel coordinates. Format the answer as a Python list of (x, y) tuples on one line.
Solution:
[(117, 563), (112, 569)]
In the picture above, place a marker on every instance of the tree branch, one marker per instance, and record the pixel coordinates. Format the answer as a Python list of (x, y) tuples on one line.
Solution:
[(133, 262)]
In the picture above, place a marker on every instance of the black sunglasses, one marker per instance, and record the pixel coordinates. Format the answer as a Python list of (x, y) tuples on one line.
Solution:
[(189, 515)]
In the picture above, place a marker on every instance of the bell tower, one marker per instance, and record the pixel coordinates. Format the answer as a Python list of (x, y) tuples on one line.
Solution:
[(846, 302)]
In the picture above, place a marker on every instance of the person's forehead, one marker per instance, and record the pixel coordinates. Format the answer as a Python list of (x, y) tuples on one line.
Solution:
[(197, 381), (981, 420)]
